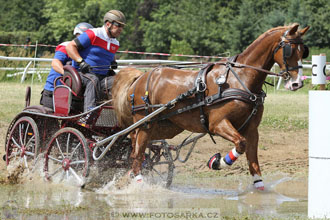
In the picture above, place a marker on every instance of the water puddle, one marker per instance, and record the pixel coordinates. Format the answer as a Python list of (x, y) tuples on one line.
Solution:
[(284, 197)]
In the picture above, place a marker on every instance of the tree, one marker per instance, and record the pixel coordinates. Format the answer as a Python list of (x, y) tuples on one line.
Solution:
[(180, 47), (62, 17), (243, 27), (319, 21), (157, 30), (26, 17)]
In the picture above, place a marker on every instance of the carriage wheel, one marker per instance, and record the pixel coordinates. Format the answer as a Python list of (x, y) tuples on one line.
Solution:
[(23, 143), (67, 157), (158, 165)]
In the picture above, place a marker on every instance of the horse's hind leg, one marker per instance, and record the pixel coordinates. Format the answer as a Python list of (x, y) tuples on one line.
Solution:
[(226, 130), (252, 158)]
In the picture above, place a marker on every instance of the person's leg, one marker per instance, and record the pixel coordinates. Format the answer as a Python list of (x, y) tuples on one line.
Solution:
[(106, 85), (91, 85), (46, 98)]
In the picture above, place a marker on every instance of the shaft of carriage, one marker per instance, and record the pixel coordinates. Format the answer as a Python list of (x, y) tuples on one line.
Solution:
[(113, 138)]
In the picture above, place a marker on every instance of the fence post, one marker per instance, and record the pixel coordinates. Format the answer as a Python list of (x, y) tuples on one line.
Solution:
[(34, 61), (318, 70)]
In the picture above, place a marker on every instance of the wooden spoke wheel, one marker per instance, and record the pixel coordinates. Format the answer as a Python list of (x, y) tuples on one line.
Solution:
[(67, 157), (158, 165), (23, 143)]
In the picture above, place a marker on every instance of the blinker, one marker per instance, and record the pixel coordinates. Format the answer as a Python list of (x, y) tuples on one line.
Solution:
[(306, 52), (287, 50)]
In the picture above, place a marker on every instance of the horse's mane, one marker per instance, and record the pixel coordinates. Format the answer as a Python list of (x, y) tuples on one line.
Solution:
[(123, 80), (267, 34)]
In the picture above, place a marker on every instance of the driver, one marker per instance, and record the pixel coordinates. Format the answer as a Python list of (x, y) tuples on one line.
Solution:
[(93, 53)]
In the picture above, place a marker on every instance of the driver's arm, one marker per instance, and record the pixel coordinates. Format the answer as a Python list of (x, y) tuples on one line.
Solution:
[(58, 66), (72, 50)]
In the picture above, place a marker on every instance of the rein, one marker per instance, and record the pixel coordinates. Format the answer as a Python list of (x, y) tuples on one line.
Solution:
[(240, 65), (195, 64)]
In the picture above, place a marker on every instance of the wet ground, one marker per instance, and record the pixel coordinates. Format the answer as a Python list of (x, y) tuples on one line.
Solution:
[(199, 198)]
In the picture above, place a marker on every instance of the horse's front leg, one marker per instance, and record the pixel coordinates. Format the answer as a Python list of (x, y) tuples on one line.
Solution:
[(226, 130), (141, 140), (252, 158)]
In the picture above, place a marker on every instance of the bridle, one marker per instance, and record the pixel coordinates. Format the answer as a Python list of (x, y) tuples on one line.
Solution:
[(285, 44)]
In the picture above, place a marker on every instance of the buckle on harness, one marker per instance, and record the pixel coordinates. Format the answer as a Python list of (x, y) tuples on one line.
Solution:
[(209, 100), (253, 98), (201, 86)]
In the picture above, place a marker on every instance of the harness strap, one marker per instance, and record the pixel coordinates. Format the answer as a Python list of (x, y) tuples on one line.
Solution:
[(253, 112), (133, 94), (229, 94), (145, 98), (200, 81), (200, 84)]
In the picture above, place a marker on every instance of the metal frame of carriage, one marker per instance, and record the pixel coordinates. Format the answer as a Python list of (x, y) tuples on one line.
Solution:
[(65, 145)]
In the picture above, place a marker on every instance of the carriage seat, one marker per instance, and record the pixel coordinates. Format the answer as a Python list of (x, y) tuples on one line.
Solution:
[(72, 79), (62, 99), (39, 109), (68, 97), (65, 103), (34, 108)]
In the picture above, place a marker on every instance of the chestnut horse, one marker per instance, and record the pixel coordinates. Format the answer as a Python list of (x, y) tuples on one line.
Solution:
[(224, 99)]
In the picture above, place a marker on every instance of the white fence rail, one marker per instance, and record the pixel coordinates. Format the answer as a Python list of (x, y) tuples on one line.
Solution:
[(27, 70)]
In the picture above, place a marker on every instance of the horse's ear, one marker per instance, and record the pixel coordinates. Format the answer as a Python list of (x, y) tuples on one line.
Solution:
[(303, 31), (293, 29)]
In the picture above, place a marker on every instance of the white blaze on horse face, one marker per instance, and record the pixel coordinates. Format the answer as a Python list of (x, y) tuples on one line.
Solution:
[(294, 84), (300, 70)]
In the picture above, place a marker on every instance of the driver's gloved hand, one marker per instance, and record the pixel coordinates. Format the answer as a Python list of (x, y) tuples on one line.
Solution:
[(111, 73), (114, 65), (84, 67)]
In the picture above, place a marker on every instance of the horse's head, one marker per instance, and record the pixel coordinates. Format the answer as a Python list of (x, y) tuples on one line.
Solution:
[(288, 52)]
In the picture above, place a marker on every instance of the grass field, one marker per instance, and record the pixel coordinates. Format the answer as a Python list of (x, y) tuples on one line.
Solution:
[(283, 109)]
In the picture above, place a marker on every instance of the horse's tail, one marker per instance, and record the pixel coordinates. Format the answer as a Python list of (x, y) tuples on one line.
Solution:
[(122, 82)]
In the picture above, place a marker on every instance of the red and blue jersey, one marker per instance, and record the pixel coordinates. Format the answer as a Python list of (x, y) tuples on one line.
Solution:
[(61, 55), (98, 50)]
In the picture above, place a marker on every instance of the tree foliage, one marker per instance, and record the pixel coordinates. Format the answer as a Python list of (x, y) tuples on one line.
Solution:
[(205, 27)]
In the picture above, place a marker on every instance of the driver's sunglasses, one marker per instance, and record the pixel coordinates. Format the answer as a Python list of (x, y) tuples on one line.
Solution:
[(118, 24)]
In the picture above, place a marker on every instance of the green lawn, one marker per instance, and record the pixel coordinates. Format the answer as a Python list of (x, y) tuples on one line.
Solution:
[(12, 98), (283, 109)]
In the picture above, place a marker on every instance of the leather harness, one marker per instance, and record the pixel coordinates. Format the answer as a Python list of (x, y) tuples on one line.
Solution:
[(202, 100)]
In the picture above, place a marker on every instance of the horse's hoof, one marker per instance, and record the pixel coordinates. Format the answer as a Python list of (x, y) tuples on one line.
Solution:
[(262, 188), (259, 185), (138, 178), (214, 162)]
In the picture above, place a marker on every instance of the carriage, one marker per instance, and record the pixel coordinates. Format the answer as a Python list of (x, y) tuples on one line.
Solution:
[(224, 98), (68, 148)]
